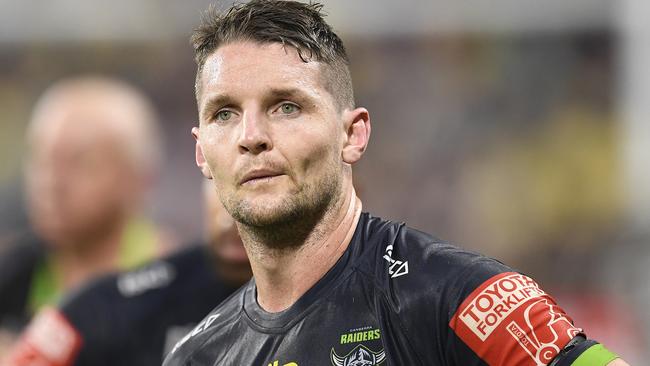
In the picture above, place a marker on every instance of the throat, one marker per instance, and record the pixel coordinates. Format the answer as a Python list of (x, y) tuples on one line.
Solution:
[(283, 237), (283, 273)]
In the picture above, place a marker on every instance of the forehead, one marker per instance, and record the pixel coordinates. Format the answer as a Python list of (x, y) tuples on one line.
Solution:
[(246, 66), (83, 123)]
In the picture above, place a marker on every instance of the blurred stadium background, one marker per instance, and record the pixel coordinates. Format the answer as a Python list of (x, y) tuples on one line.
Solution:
[(517, 128)]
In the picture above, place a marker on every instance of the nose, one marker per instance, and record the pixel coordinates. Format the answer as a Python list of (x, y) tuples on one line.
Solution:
[(254, 137)]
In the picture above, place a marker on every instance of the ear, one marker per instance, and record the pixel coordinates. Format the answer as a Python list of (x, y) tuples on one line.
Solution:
[(357, 133), (199, 157)]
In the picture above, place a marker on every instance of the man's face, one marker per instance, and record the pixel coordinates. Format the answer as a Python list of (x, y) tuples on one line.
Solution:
[(78, 176), (270, 133)]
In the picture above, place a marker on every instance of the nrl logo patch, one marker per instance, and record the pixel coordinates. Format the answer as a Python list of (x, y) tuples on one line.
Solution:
[(360, 356)]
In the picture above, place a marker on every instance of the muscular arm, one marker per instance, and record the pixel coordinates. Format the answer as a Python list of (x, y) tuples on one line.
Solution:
[(618, 362), (593, 354)]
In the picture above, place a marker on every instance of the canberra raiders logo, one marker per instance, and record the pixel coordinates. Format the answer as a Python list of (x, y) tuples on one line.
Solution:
[(360, 356)]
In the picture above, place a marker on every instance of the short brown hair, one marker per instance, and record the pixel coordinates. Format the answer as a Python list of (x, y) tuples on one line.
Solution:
[(290, 23)]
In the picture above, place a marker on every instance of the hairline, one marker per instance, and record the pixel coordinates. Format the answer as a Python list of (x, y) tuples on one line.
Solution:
[(324, 67), (143, 121)]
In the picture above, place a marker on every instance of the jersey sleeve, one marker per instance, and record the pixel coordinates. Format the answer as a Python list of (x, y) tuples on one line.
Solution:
[(454, 307), (78, 332), (509, 319), (49, 340)]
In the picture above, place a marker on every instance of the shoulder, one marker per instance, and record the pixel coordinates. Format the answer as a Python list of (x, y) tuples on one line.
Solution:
[(415, 272), (159, 274), (449, 269), (401, 259), (19, 260), (470, 303), (220, 319), (98, 304), (18, 264)]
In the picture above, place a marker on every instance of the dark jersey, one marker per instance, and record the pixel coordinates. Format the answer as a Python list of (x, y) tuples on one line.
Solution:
[(396, 297), (17, 266), (132, 318)]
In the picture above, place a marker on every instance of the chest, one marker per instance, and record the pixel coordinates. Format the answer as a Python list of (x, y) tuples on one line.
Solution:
[(350, 327)]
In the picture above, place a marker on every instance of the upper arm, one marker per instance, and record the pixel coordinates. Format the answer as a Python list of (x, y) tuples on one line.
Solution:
[(479, 311), (49, 340), (618, 362), (509, 319)]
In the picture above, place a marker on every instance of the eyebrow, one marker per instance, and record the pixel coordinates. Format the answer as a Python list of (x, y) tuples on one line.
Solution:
[(289, 93), (214, 103), (218, 101)]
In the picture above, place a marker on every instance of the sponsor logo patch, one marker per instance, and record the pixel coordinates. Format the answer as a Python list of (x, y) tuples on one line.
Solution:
[(48, 341), (155, 276), (511, 309)]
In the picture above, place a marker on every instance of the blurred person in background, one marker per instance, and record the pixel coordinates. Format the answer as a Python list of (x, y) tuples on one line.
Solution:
[(94, 149), (134, 318)]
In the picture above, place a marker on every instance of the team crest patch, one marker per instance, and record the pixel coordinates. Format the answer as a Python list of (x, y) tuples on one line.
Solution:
[(359, 356)]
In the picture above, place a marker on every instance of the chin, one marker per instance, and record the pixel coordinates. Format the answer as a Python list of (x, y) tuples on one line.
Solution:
[(266, 216), (283, 207), (264, 212)]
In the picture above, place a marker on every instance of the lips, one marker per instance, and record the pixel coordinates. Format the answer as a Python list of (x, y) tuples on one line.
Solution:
[(258, 175)]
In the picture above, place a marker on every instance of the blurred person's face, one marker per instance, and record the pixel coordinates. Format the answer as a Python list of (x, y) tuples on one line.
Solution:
[(79, 179), (270, 134)]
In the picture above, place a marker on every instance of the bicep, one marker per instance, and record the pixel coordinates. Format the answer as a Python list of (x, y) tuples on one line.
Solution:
[(618, 362), (509, 319)]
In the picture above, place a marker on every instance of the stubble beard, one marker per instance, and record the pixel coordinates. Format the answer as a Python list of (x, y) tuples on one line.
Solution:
[(288, 223)]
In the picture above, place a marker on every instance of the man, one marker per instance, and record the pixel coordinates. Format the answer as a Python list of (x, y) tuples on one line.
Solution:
[(278, 134), (93, 155), (136, 317)]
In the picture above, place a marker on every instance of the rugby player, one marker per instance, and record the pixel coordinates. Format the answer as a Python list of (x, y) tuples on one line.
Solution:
[(93, 151), (278, 134), (134, 318)]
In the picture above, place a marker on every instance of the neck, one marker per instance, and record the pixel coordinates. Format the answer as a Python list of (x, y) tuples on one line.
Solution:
[(283, 274), (76, 263)]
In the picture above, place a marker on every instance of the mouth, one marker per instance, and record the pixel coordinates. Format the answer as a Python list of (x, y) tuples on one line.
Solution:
[(259, 176)]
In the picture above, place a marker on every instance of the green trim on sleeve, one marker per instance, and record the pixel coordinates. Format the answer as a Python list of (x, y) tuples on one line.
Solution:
[(596, 355)]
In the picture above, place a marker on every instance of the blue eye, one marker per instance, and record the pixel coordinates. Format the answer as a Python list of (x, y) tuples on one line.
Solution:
[(223, 115), (288, 108)]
